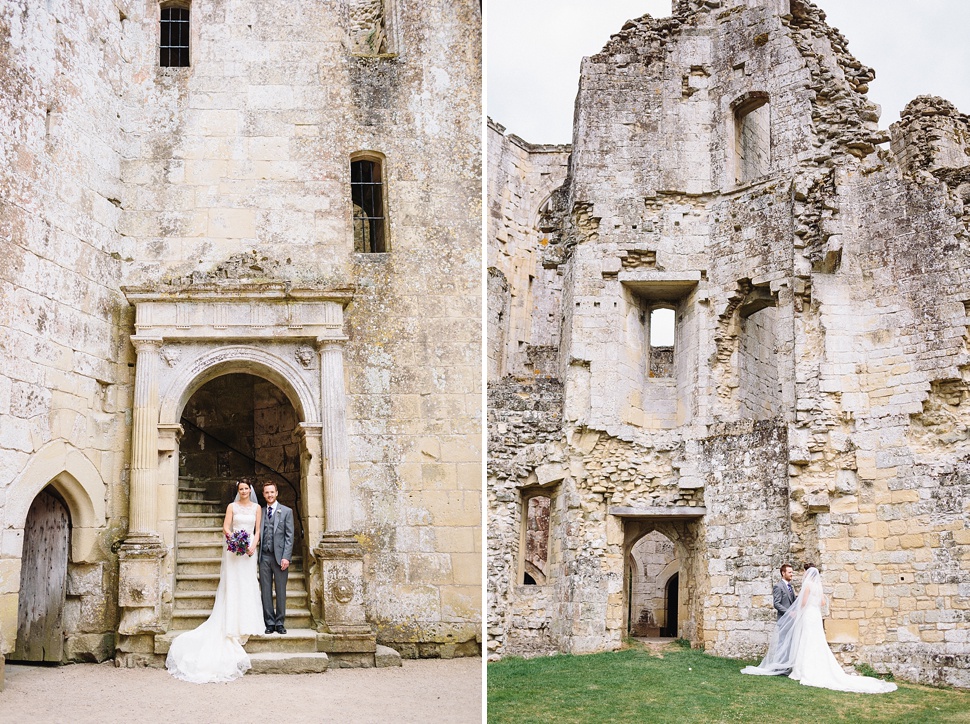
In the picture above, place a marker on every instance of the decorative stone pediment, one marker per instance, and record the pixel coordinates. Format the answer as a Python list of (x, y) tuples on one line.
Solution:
[(270, 310)]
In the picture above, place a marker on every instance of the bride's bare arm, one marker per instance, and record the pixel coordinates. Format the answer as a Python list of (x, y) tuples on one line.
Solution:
[(255, 544), (227, 523)]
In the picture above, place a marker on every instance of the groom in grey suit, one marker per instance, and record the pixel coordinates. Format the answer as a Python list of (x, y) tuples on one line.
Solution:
[(275, 552), (783, 595)]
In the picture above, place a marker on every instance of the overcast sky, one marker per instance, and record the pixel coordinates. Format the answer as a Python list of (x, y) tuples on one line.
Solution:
[(534, 48)]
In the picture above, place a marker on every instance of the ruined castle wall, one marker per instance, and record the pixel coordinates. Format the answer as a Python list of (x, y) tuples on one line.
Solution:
[(63, 373), (524, 432), (521, 177), (827, 303)]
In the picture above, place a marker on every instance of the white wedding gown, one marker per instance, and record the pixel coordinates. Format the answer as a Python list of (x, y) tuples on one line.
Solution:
[(214, 651), (798, 647)]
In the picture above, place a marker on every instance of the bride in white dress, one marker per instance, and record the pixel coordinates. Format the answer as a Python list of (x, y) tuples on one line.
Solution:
[(214, 651), (798, 647)]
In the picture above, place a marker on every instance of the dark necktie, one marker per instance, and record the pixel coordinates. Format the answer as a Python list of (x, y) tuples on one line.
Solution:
[(269, 516), (791, 592)]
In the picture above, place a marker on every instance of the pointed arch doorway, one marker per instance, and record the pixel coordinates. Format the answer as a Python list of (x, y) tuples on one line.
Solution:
[(662, 558), (43, 581)]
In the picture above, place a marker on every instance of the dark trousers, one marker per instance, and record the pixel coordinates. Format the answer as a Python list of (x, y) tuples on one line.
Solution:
[(270, 576)]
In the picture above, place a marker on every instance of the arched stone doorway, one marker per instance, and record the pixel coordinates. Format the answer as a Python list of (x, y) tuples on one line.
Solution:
[(186, 337), (61, 471), (235, 426), (653, 565), (661, 546), (43, 580)]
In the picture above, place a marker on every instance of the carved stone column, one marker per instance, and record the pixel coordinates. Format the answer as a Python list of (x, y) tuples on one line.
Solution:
[(337, 579), (142, 497), (142, 553), (336, 456)]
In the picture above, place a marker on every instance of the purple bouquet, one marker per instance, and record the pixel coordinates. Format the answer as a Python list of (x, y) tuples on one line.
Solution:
[(238, 542)]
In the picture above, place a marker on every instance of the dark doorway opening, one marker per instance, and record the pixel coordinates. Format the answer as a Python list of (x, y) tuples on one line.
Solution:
[(672, 594)]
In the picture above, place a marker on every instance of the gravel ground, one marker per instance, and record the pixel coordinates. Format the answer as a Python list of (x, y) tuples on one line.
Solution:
[(442, 692)]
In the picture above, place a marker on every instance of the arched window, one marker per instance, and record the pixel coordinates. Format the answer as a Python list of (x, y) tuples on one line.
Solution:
[(752, 125), (173, 46), (367, 195)]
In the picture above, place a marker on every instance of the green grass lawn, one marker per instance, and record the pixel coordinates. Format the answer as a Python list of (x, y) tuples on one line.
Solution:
[(681, 685)]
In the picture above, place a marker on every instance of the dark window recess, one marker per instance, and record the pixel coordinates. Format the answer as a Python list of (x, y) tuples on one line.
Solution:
[(174, 46), (367, 193)]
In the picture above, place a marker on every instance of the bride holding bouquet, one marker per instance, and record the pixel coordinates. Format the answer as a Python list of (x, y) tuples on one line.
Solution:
[(214, 651)]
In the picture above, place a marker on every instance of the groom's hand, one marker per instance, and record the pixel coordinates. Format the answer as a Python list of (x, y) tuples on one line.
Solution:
[(251, 550), (284, 564)]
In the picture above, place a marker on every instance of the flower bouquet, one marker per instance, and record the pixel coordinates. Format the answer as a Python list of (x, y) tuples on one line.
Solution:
[(238, 542)]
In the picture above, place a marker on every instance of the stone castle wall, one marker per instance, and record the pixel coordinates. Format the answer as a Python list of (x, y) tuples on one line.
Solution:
[(816, 406), (521, 177), (236, 169)]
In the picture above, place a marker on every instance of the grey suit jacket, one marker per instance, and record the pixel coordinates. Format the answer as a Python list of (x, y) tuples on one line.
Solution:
[(280, 531), (782, 598)]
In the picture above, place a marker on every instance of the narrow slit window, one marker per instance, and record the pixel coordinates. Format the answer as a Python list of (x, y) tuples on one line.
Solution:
[(662, 322), (174, 45), (535, 563), (367, 194)]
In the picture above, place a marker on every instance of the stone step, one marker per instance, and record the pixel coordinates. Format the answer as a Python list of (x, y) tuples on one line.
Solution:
[(295, 640), (203, 519), (200, 506), (199, 549), (278, 663), (187, 493), (210, 582), (186, 618), (200, 565), (203, 600), (195, 534)]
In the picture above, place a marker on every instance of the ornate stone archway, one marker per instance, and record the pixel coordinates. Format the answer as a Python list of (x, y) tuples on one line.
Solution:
[(291, 337)]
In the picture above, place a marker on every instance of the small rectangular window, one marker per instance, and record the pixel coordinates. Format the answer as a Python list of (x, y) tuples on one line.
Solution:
[(367, 194), (174, 43)]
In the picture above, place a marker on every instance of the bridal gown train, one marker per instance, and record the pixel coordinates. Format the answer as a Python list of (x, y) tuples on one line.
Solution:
[(799, 648), (214, 651)]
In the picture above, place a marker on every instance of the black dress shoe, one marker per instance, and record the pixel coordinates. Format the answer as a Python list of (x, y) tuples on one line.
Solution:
[(281, 629), (270, 630)]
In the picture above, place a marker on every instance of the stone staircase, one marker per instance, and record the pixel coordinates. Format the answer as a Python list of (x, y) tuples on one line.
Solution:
[(199, 544)]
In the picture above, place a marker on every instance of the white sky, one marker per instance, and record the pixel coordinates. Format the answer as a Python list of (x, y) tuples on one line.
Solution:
[(534, 48)]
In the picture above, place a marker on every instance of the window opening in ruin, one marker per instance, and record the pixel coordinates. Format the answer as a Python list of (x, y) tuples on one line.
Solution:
[(369, 22), (661, 354), (535, 569), (367, 194), (174, 44), (752, 123)]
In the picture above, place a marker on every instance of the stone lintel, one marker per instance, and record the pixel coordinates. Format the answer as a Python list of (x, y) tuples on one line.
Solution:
[(658, 513), (660, 285), (238, 292), (239, 311)]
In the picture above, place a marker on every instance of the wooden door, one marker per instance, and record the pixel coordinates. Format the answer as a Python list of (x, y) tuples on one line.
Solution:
[(43, 581)]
